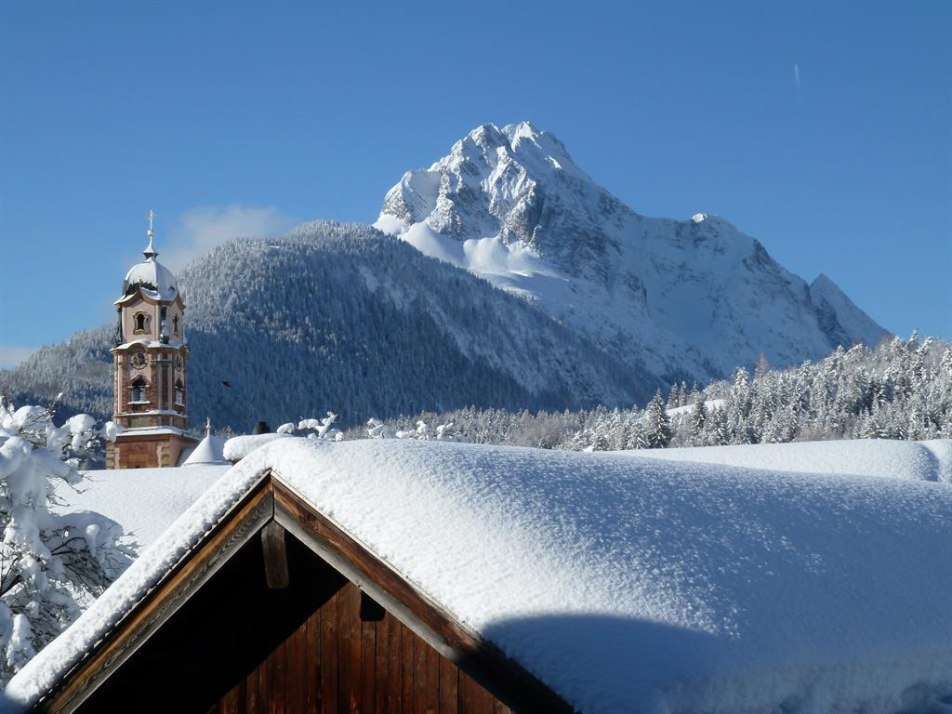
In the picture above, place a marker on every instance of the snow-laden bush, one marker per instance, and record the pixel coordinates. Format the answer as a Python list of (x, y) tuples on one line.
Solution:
[(314, 428), (377, 429), (421, 431), (51, 565)]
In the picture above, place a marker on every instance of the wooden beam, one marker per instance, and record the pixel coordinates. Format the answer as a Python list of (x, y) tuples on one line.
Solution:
[(275, 556)]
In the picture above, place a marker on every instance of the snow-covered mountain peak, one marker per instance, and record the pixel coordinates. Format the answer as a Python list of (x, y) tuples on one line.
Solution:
[(540, 149), (516, 141), (689, 298), (518, 185), (523, 129), (497, 156)]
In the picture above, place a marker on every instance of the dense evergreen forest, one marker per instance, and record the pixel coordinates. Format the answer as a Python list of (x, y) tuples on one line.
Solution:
[(902, 389), (340, 317)]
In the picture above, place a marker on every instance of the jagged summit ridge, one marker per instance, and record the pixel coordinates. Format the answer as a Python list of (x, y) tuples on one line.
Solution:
[(689, 298), (497, 182)]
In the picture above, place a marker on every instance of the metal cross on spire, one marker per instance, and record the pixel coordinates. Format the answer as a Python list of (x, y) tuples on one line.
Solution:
[(150, 252)]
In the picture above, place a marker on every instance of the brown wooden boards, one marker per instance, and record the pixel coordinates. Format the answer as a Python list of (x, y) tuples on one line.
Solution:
[(309, 620)]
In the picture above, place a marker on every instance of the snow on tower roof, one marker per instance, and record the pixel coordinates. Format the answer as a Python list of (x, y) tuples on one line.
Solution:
[(151, 276), (624, 583), (209, 451)]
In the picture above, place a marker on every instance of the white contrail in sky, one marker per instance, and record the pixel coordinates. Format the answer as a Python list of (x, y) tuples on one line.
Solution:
[(796, 77)]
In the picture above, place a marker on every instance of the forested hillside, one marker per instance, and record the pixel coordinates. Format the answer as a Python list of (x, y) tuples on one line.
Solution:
[(900, 390), (341, 316), (80, 369)]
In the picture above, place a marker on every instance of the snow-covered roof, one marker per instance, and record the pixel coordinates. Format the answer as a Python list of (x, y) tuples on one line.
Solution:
[(913, 460), (154, 279), (210, 450), (238, 447), (623, 582), (143, 501)]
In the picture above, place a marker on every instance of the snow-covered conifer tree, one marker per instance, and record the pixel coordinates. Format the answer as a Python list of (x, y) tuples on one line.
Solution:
[(699, 418), (717, 431), (657, 425), (50, 564)]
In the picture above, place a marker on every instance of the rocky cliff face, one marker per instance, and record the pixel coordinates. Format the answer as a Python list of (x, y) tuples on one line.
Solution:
[(690, 299)]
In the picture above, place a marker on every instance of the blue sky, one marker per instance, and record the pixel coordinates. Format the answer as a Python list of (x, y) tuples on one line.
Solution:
[(823, 129)]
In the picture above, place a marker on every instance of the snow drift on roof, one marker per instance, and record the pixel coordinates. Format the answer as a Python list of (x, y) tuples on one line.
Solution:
[(914, 460), (238, 447), (143, 501), (210, 451), (627, 583)]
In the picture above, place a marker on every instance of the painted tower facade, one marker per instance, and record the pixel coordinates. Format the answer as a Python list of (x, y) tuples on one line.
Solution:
[(150, 368)]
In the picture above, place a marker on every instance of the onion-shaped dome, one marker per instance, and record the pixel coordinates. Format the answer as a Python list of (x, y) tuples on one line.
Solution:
[(152, 277)]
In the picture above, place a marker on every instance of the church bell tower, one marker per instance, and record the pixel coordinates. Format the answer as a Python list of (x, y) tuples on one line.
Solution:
[(150, 367)]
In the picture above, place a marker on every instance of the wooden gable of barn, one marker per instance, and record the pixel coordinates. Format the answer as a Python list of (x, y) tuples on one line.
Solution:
[(279, 610)]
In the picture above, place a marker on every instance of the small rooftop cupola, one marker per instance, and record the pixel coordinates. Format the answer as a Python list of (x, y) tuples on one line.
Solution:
[(210, 450), (150, 367)]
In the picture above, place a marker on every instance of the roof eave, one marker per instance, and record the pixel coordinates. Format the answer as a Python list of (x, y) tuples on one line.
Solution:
[(271, 500), (134, 627)]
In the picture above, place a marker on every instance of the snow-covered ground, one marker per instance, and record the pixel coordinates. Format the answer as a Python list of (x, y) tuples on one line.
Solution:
[(911, 460), (628, 582), (143, 501), (689, 408)]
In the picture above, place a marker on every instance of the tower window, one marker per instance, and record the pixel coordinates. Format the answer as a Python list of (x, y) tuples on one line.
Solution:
[(179, 393), (140, 323), (175, 330), (139, 386)]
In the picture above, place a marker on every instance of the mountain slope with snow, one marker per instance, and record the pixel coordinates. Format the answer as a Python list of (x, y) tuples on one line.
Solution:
[(690, 299)]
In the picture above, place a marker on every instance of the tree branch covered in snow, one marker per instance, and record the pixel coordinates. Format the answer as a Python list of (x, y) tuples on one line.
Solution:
[(51, 565)]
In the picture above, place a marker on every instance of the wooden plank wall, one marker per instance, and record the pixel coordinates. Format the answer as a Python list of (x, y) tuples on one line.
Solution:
[(318, 645), (339, 661)]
